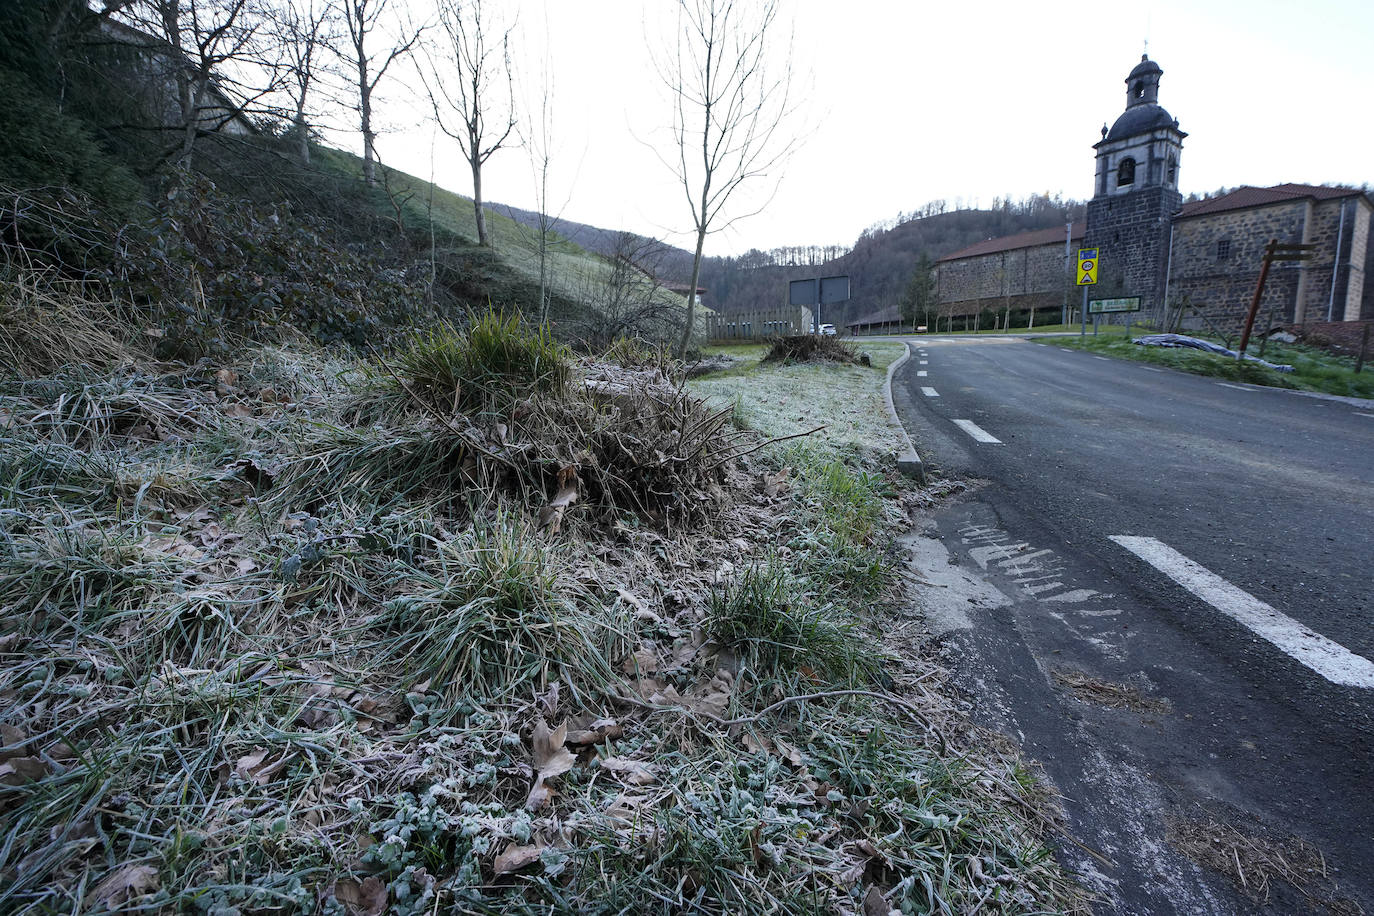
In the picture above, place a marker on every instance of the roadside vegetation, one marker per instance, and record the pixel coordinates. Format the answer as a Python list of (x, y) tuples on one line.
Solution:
[(297, 630), (1314, 369)]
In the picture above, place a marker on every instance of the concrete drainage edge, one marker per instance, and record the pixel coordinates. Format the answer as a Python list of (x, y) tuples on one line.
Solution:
[(908, 460)]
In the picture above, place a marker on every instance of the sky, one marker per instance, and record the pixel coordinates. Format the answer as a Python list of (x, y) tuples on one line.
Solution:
[(904, 103)]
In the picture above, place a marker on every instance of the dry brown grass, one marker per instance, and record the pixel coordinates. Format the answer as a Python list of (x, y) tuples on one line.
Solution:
[(1106, 693), (1254, 862), (48, 323)]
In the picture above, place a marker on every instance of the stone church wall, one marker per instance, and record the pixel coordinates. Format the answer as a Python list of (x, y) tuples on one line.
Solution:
[(1131, 234), (1021, 278), (1217, 257)]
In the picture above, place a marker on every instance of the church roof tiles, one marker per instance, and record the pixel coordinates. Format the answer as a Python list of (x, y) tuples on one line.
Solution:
[(1021, 240), (1244, 197)]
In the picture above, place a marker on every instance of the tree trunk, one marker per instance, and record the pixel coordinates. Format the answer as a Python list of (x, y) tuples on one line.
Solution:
[(369, 137), (477, 211), (687, 325), (302, 134)]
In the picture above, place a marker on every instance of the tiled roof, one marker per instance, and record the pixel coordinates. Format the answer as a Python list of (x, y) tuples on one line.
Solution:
[(1245, 197), (1013, 242), (882, 316)]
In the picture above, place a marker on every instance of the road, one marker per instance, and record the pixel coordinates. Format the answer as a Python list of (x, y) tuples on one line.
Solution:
[(1161, 586)]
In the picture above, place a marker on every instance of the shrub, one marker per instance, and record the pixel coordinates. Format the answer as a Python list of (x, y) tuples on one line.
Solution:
[(763, 616), (496, 360)]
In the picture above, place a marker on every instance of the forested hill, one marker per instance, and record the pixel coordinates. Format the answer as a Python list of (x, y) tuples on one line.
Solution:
[(879, 264), (882, 259)]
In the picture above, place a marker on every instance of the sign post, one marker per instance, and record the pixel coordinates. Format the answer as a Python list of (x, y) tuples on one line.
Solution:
[(1087, 276), (818, 291)]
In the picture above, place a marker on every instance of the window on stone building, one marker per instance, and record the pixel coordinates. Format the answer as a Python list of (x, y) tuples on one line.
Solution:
[(1125, 172), (1223, 249), (1139, 89)]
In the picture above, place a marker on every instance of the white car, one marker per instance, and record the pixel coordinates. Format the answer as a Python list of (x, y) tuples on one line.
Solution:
[(827, 330)]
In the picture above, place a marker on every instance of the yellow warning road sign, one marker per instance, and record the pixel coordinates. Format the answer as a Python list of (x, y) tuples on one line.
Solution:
[(1087, 266)]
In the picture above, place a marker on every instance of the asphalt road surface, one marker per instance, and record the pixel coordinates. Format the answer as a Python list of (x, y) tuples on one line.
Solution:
[(1161, 586)]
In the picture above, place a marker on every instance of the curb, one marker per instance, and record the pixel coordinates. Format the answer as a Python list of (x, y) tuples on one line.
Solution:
[(908, 461)]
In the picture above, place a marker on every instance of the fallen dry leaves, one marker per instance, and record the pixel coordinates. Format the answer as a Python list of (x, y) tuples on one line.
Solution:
[(551, 759)]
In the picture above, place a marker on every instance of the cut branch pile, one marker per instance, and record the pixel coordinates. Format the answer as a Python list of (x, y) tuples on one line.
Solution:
[(800, 348)]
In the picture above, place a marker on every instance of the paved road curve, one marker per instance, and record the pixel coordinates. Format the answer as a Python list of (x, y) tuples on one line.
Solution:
[(1162, 586)]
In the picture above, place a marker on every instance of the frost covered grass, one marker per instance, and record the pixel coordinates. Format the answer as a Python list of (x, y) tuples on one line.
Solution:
[(783, 400), (271, 643)]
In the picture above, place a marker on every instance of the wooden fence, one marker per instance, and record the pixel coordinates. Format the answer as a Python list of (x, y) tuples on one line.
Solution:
[(758, 324)]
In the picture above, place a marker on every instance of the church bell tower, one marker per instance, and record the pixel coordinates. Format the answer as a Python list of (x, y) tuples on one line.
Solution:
[(1135, 192)]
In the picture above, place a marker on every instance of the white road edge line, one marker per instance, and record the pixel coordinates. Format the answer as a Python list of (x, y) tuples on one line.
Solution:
[(929, 392), (1066, 349), (1331, 660), (1151, 369), (977, 432), (920, 373), (1370, 415), (1237, 387), (1102, 358)]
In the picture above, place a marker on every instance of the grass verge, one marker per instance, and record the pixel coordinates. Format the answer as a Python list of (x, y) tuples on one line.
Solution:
[(271, 643), (1313, 369)]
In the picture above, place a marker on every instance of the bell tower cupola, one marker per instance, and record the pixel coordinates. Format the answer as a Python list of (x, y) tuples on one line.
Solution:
[(1142, 86)]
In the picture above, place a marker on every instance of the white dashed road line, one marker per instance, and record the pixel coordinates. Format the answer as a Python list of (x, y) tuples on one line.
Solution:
[(1151, 369), (924, 362), (1370, 415), (1331, 660), (920, 373), (1237, 387), (929, 392), (1102, 358), (977, 432)]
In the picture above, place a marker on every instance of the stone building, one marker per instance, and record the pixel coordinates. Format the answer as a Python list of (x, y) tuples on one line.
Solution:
[(1198, 261)]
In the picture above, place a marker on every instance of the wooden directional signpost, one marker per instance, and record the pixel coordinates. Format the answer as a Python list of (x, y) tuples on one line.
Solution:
[(1087, 276), (1272, 252)]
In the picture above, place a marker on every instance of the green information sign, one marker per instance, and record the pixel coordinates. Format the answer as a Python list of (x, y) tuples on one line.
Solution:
[(1104, 306)]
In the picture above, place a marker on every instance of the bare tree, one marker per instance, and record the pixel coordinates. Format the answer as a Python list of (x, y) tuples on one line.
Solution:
[(362, 24), (731, 107), (302, 28), (628, 299), (209, 48), (468, 87)]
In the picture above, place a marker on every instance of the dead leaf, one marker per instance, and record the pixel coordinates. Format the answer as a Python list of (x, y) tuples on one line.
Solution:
[(253, 766), (551, 759), (875, 904), (640, 663), (634, 772), (551, 516), (515, 858), (12, 742), (365, 898), (226, 380), (788, 752), (625, 807), (548, 700), (19, 770), (124, 884), (596, 732)]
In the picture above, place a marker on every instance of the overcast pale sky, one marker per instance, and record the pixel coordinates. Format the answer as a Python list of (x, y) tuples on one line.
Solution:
[(965, 101)]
